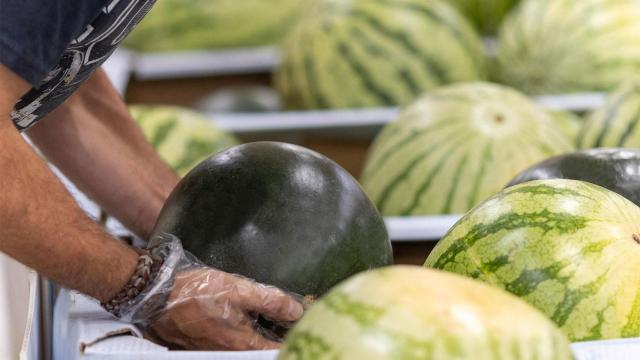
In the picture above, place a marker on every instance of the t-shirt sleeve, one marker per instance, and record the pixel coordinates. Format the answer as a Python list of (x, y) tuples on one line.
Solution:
[(35, 33)]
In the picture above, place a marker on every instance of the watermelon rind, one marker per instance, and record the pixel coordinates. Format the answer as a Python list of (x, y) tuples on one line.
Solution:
[(406, 312), (570, 248), (456, 146), (182, 137), (564, 46), (183, 25), (363, 53), (615, 124), (486, 15)]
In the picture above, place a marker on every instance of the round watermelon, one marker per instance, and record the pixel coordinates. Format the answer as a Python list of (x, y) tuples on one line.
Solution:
[(615, 124), (570, 248), (181, 137), (561, 46), (405, 312), (362, 53), (486, 15), (277, 213), (455, 147), (175, 25), (616, 169)]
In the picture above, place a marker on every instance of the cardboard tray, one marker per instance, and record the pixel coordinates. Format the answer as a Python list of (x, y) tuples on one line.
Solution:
[(82, 330), (173, 65), (339, 120)]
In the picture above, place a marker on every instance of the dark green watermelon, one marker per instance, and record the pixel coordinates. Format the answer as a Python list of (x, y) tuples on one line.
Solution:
[(277, 213), (616, 169)]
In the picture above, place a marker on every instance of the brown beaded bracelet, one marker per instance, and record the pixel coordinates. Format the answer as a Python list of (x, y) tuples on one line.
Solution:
[(148, 266)]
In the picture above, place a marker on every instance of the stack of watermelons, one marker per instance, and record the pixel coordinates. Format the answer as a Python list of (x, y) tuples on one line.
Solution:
[(359, 53), (564, 236), (290, 217)]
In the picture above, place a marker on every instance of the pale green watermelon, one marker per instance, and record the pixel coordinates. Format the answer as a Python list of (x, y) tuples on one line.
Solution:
[(615, 124), (455, 147), (405, 312), (486, 15), (182, 137), (568, 122), (568, 247), (561, 46), (174, 25), (363, 53)]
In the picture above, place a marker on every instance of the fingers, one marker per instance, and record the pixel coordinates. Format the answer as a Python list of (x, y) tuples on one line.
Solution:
[(272, 303), (206, 334), (210, 311), (257, 342)]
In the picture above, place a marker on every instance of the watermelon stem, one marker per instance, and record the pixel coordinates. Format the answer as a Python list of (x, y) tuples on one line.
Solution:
[(636, 237)]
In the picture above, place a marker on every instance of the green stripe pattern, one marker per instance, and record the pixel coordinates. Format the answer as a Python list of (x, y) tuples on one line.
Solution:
[(455, 147), (565, 246), (368, 53), (177, 25), (486, 15), (562, 46), (408, 312), (615, 124), (182, 137)]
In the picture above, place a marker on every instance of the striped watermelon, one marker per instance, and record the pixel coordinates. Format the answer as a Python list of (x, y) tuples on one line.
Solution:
[(182, 137), (615, 124), (405, 312), (568, 122), (455, 147), (486, 15), (558, 46), (568, 247), (367, 53), (174, 25)]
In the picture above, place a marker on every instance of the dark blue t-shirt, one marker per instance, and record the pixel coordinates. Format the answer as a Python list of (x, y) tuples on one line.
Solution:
[(57, 44)]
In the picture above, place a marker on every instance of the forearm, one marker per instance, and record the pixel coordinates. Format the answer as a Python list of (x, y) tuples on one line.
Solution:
[(41, 226), (95, 143)]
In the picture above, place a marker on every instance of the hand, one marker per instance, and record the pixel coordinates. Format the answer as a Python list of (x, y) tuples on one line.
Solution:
[(209, 309)]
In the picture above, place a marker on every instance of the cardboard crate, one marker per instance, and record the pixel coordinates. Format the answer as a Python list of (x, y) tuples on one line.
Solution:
[(83, 330)]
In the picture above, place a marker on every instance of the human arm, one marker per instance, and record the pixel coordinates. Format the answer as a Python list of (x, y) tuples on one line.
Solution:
[(42, 227), (40, 224), (94, 141)]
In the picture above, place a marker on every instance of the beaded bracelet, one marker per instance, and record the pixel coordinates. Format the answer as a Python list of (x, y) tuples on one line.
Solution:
[(146, 270)]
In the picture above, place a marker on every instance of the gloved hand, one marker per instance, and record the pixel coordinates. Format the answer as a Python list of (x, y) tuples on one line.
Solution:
[(211, 309), (200, 308)]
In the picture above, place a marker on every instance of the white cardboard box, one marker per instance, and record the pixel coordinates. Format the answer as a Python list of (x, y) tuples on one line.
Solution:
[(31, 347), (82, 330), (17, 284), (173, 65), (341, 119)]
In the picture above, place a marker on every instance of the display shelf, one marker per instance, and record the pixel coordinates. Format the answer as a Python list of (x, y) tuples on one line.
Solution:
[(369, 117), (154, 66)]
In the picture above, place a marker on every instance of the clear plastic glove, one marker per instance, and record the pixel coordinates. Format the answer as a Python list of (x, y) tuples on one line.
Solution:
[(199, 308), (211, 309)]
